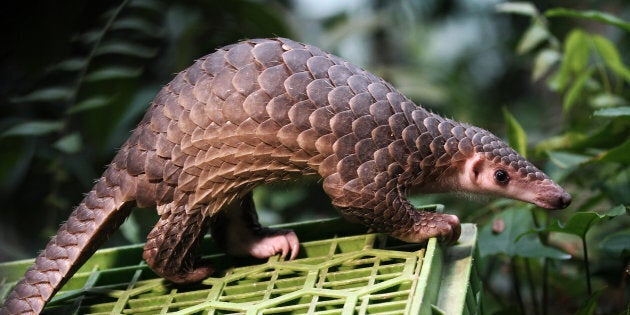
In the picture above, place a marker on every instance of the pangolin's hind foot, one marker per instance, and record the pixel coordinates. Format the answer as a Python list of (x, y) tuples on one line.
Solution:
[(237, 230), (172, 245), (268, 242), (201, 270)]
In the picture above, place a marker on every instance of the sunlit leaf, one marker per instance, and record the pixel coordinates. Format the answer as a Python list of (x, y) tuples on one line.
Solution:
[(522, 8), (613, 112), (576, 53), (611, 57), (604, 100), (576, 50), (568, 160), (69, 144), (575, 91), (33, 128), (534, 36), (545, 59), (516, 135), (48, 94), (115, 72), (515, 239), (591, 15)]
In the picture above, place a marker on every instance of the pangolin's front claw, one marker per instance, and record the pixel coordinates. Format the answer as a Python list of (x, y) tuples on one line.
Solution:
[(272, 242)]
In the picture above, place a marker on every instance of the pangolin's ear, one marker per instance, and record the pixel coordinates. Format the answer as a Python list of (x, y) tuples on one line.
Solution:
[(476, 169)]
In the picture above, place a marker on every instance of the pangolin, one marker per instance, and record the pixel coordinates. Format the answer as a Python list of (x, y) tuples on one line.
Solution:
[(265, 110)]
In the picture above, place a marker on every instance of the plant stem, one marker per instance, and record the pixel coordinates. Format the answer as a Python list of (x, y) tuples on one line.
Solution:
[(532, 287), (517, 285), (545, 286), (586, 267)]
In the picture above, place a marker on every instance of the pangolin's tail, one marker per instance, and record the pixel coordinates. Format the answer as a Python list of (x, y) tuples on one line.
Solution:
[(99, 214)]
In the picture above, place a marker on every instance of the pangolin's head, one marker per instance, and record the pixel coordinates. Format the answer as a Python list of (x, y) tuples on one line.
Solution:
[(495, 168)]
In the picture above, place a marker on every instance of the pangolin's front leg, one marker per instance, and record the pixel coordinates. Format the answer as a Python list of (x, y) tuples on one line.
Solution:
[(380, 203)]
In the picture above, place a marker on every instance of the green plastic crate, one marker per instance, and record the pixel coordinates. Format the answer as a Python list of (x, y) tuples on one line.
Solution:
[(339, 271)]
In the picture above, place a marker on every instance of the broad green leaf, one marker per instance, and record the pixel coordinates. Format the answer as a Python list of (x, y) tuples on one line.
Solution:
[(568, 160), (613, 112), (33, 128), (575, 91), (591, 15), (126, 48), (619, 154), (516, 135), (545, 59), (580, 222), (516, 238), (611, 57), (50, 94), (617, 245), (522, 8), (69, 144), (534, 36), (91, 103), (576, 50), (575, 59), (116, 72)]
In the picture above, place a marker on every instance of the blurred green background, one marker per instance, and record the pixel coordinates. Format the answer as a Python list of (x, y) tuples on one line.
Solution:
[(76, 76)]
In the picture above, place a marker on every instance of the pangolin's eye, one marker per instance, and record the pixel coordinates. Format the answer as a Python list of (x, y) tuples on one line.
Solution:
[(501, 177)]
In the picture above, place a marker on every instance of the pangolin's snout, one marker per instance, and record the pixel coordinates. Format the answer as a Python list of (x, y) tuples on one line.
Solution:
[(563, 201)]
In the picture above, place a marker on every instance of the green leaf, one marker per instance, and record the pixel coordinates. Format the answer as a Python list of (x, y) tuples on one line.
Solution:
[(114, 72), (88, 104), (590, 305), (33, 128), (534, 36), (546, 59), (575, 91), (69, 144), (575, 60), (580, 222), (619, 154), (591, 15), (72, 64), (613, 112), (522, 8), (516, 238), (611, 57), (606, 99), (568, 160), (576, 50), (137, 25), (125, 48), (49, 94), (516, 135), (617, 245)]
